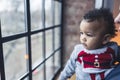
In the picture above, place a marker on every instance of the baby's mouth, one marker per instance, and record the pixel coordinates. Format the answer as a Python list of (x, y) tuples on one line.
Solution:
[(84, 44)]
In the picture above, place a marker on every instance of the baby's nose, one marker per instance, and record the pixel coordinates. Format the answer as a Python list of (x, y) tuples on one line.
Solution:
[(83, 39)]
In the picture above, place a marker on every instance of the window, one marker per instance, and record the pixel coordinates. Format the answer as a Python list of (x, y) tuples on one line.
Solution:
[(98, 3), (30, 44), (104, 4)]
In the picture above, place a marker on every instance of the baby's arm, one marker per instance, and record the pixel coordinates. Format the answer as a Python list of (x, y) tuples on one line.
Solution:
[(69, 69)]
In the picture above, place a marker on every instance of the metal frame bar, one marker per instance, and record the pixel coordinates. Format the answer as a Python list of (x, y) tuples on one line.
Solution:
[(17, 36), (62, 30), (28, 39), (2, 70), (43, 37)]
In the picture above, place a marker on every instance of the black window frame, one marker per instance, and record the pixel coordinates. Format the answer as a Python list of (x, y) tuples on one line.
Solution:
[(28, 34)]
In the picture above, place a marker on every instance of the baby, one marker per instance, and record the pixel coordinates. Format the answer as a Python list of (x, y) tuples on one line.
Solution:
[(96, 56)]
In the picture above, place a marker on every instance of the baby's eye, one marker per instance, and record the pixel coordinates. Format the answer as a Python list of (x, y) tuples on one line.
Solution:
[(81, 33), (90, 34)]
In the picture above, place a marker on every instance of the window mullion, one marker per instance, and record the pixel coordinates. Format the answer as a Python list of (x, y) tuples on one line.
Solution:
[(44, 36), (61, 31), (2, 69), (28, 39)]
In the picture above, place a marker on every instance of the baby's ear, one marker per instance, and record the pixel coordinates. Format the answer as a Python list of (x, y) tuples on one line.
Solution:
[(106, 38)]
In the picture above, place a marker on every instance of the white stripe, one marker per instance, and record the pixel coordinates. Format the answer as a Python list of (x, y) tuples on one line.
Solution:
[(96, 51)]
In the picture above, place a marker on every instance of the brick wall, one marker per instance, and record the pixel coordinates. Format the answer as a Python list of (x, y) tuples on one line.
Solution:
[(73, 10)]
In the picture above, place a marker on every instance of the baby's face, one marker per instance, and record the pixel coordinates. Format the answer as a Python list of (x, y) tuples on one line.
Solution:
[(91, 34)]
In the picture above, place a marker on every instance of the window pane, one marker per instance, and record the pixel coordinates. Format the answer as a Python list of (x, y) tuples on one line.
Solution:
[(57, 60), (37, 55), (49, 43), (38, 74), (48, 13), (15, 58), (12, 17), (57, 38), (52, 65), (35, 8), (57, 13), (50, 69)]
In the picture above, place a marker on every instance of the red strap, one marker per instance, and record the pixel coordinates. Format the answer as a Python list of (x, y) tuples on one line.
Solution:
[(79, 55), (102, 75), (79, 60), (92, 76)]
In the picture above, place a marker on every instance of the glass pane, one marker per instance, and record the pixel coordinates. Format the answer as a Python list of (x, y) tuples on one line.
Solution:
[(15, 58), (37, 55), (12, 17), (35, 8), (57, 13), (49, 43), (57, 38), (38, 74), (57, 60), (48, 13), (50, 69)]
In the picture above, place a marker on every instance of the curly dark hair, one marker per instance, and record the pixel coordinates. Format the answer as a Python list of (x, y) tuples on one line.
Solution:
[(104, 14)]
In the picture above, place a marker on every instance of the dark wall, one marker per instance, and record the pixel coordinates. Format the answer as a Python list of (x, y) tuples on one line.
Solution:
[(73, 10)]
